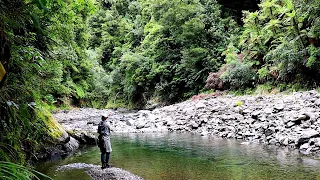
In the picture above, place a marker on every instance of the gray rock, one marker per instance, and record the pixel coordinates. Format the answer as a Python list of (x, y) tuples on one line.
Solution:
[(238, 109), (180, 122), (317, 102), (290, 124), (248, 133), (204, 133), (215, 109), (285, 141), (278, 107), (130, 122), (140, 124), (97, 173), (317, 142), (247, 111), (72, 145), (85, 137), (306, 135), (272, 141), (268, 110), (200, 105), (189, 110), (255, 114), (310, 133), (301, 117), (112, 174), (64, 138), (246, 143), (304, 146), (194, 125)]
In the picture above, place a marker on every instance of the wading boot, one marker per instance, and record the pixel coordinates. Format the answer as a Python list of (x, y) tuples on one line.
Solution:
[(104, 165)]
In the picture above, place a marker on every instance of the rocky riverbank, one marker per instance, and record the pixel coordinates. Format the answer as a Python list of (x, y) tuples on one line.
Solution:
[(283, 120), (97, 173)]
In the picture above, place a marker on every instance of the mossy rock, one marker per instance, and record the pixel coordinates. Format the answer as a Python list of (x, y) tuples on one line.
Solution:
[(54, 129)]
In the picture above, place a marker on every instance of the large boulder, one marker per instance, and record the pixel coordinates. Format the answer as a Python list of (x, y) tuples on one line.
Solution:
[(72, 145), (306, 135), (85, 137)]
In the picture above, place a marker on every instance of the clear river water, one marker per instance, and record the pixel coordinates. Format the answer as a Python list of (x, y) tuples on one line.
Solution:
[(185, 156)]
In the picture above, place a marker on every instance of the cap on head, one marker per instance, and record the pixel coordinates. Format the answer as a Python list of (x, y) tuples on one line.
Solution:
[(104, 117)]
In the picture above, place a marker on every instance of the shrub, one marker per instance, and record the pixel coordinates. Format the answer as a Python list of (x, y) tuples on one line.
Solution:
[(239, 75)]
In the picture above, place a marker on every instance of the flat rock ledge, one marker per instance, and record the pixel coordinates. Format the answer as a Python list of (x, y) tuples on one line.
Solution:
[(96, 173)]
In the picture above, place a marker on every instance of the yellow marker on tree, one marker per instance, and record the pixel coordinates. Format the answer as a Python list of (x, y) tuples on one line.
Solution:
[(2, 71)]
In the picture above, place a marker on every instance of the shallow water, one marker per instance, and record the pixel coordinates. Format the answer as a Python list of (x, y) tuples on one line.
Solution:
[(186, 156)]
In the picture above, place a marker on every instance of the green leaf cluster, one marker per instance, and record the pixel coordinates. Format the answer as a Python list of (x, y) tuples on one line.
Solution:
[(158, 48), (281, 41)]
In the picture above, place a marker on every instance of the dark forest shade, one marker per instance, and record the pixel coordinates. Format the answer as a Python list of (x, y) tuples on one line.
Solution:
[(235, 8)]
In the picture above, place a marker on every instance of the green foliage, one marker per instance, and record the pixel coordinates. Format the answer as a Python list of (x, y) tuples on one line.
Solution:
[(263, 89), (43, 53), (49, 98), (281, 41), (163, 48), (239, 75), (313, 60), (15, 171), (239, 103), (263, 73)]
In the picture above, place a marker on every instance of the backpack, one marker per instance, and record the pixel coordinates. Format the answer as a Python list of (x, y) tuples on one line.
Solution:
[(101, 128)]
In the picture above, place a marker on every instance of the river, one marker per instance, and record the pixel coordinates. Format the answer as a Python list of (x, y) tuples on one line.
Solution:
[(186, 156)]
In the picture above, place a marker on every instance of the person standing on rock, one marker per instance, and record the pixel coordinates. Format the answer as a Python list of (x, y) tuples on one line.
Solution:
[(104, 141)]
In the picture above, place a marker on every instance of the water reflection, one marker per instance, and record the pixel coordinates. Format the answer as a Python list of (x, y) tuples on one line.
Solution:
[(235, 158), (187, 156)]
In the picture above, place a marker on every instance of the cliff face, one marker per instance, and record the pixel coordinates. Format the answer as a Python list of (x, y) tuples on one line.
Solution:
[(282, 120)]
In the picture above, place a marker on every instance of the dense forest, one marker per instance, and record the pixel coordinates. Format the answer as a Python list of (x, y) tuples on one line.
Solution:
[(127, 53)]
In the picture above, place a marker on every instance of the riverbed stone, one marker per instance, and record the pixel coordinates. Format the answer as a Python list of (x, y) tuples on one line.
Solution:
[(304, 146), (268, 110), (307, 134), (194, 125), (72, 145), (140, 124), (130, 122), (200, 105), (285, 141), (278, 108)]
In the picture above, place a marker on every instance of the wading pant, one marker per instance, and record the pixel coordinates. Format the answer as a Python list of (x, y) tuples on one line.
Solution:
[(105, 157)]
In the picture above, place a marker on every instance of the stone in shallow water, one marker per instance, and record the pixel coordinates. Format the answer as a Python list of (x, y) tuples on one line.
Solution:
[(194, 125), (112, 173), (204, 133), (97, 173), (285, 141)]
